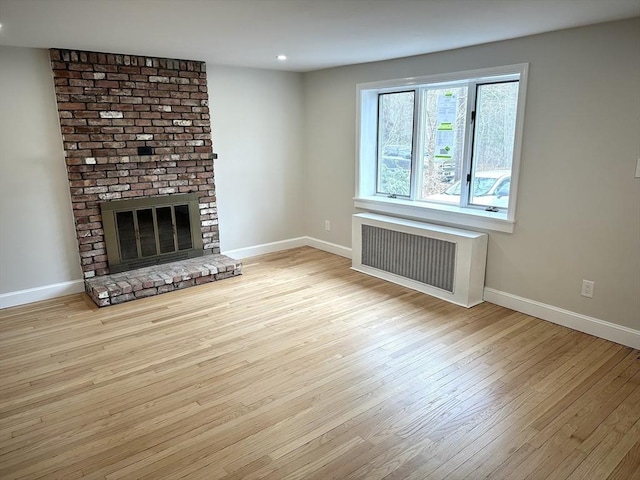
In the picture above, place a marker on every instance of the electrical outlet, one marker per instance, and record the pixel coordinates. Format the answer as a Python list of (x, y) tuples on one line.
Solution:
[(587, 288), (327, 225)]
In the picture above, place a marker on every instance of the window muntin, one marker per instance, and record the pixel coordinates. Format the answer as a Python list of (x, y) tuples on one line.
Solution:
[(431, 179)]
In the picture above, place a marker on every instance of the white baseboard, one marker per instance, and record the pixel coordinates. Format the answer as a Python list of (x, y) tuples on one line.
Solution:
[(328, 247), (37, 294), (566, 318), (255, 250), (263, 248)]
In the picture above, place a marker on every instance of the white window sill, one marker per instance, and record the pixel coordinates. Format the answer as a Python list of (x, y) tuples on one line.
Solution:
[(440, 213)]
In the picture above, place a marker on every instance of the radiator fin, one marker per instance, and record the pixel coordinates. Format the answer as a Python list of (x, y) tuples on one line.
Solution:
[(427, 260)]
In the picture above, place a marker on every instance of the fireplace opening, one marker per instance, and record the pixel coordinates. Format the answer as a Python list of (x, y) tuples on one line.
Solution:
[(148, 231)]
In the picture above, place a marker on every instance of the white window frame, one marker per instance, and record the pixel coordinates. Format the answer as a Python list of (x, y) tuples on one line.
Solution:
[(366, 151)]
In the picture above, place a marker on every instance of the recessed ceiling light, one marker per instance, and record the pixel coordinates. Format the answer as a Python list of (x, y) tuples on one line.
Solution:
[(281, 57)]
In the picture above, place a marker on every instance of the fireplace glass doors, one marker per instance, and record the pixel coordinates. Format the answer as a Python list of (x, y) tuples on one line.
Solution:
[(148, 231)]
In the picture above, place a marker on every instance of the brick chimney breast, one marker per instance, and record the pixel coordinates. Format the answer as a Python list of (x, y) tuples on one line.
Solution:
[(110, 105)]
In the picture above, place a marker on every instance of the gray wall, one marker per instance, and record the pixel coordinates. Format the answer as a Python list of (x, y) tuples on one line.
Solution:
[(37, 237), (256, 122), (579, 204)]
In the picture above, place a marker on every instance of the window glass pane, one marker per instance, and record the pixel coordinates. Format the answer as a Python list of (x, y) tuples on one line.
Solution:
[(183, 227), (126, 235), (395, 141), (165, 229), (444, 121), (494, 136), (147, 232)]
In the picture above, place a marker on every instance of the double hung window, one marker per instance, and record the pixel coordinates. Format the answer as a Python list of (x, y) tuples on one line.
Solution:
[(448, 143)]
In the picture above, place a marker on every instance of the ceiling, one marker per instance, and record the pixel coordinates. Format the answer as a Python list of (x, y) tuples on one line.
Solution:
[(314, 34)]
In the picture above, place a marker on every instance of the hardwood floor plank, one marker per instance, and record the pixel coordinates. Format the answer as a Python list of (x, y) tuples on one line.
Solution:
[(629, 466), (302, 368)]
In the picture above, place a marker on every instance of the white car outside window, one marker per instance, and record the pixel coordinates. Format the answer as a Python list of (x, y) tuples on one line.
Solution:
[(490, 188)]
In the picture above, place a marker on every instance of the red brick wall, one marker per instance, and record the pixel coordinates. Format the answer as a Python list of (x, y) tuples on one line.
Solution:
[(109, 105)]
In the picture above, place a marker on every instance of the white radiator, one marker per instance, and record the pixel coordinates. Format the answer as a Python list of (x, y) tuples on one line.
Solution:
[(445, 262)]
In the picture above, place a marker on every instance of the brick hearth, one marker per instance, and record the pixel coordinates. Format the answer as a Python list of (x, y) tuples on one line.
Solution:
[(145, 282)]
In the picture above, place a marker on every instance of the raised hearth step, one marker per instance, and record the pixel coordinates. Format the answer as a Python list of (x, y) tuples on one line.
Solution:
[(145, 282)]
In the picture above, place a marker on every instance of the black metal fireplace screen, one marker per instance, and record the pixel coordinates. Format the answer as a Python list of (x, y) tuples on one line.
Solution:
[(148, 231)]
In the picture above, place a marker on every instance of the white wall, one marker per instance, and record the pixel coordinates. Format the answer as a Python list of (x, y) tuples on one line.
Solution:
[(37, 237), (256, 122), (579, 205)]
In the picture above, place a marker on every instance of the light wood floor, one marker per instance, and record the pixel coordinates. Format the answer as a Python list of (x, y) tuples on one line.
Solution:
[(304, 369)]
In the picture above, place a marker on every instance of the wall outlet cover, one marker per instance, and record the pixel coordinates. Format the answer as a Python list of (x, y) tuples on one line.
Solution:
[(587, 288)]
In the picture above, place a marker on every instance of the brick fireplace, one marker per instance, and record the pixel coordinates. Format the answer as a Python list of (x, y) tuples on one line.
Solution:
[(135, 127)]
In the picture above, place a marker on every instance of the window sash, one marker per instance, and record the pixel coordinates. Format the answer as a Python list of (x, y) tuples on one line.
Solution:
[(380, 147), (473, 157)]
